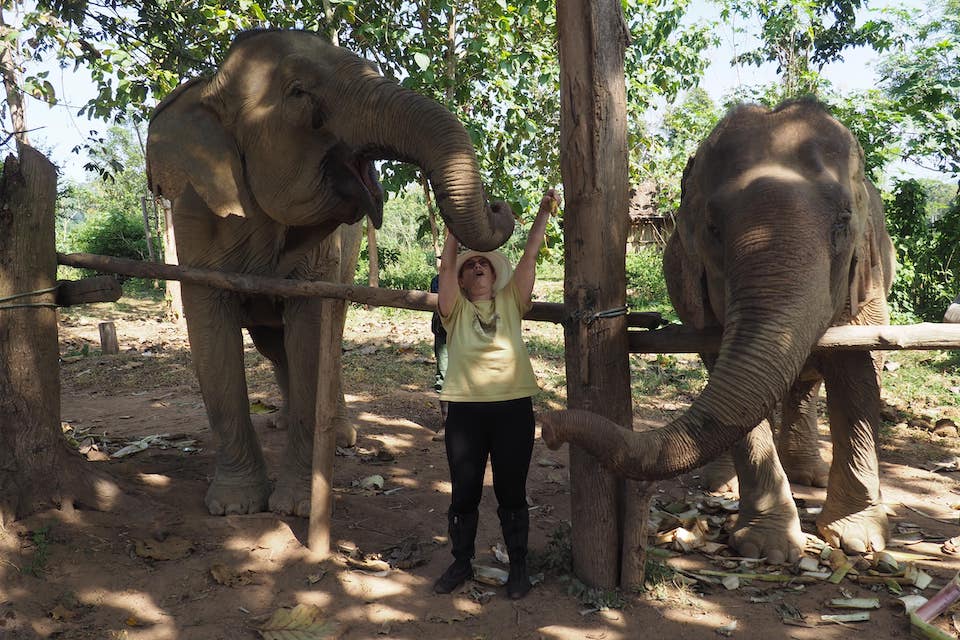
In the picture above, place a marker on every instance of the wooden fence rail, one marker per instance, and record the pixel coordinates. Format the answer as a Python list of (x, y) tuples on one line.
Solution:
[(669, 339)]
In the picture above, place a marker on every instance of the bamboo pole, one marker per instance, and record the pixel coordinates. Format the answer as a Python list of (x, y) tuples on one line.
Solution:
[(922, 336), (246, 283), (669, 339)]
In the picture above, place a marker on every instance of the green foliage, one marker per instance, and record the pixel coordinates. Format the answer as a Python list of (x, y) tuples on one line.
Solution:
[(558, 557), (666, 56), (594, 597), (922, 81), (802, 37), (685, 125), (656, 572), (646, 286), (404, 245), (104, 216), (110, 233), (928, 274)]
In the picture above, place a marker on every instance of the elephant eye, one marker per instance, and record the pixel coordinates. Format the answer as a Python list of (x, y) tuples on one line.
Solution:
[(841, 230), (309, 104)]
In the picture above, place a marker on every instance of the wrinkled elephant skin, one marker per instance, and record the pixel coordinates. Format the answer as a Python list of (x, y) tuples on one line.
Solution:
[(263, 163), (779, 237)]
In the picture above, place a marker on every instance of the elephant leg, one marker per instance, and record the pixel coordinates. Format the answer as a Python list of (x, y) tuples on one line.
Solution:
[(798, 440), (853, 516), (768, 524), (269, 342), (240, 482), (304, 333), (720, 474)]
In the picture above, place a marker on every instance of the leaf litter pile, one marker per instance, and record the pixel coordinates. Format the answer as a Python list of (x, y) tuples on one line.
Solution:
[(698, 526)]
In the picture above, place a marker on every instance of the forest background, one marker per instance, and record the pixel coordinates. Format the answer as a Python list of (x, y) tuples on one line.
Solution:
[(494, 63)]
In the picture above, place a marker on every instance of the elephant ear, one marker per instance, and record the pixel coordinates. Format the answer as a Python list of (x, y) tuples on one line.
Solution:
[(189, 146), (872, 273), (685, 276), (682, 267)]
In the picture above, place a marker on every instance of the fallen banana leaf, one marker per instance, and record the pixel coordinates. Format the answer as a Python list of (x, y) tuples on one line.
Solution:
[(863, 616), (855, 603), (759, 577)]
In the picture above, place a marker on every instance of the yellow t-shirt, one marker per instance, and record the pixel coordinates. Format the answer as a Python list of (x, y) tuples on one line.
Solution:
[(488, 361)]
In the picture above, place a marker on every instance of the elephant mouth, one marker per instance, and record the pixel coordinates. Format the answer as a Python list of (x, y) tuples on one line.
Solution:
[(354, 178), (367, 174)]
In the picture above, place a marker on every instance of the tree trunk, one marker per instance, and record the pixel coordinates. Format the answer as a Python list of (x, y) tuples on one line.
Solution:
[(593, 162), (37, 468), (374, 257), (173, 297)]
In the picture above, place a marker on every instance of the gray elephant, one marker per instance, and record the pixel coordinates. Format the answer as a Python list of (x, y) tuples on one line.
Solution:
[(262, 163), (779, 237)]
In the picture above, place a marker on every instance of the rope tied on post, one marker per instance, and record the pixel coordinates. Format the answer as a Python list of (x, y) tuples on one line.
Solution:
[(28, 294)]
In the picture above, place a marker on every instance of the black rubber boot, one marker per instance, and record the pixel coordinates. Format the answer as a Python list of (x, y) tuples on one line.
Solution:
[(463, 530), (515, 524)]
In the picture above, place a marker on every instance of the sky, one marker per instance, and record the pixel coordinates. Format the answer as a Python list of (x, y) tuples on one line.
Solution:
[(57, 130)]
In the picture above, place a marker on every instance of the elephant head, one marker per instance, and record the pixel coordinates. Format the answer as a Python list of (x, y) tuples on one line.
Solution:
[(779, 236), (289, 126)]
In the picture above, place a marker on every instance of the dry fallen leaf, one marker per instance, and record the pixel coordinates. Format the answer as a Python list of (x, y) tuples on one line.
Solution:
[(303, 622), (228, 577), (60, 612), (172, 548)]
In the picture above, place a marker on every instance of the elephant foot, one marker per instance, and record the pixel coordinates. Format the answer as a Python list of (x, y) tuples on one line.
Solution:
[(810, 471), (720, 475), (291, 496), (346, 433), (859, 532), (774, 534), (279, 420), (237, 495)]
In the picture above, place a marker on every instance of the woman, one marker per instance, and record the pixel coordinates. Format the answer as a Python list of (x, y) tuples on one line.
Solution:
[(489, 386)]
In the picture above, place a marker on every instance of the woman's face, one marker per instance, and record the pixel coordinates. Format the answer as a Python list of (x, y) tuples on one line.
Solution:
[(476, 278)]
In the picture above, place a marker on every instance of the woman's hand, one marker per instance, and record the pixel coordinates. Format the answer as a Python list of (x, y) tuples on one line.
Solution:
[(550, 202)]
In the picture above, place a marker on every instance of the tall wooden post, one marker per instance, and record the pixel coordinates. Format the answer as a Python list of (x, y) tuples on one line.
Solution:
[(173, 296), (593, 162)]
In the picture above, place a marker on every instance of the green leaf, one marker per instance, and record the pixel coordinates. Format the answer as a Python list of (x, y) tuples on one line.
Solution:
[(303, 622), (422, 60)]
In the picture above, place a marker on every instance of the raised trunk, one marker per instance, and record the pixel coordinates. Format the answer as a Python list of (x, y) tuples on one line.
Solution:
[(415, 129)]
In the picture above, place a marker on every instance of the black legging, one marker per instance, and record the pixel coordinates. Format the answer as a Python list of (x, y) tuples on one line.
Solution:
[(501, 430)]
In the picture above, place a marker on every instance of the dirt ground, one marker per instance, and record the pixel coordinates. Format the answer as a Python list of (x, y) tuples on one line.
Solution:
[(170, 571)]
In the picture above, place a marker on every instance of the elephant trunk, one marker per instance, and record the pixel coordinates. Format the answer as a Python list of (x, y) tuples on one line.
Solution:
[(413, 128), (765, 344)]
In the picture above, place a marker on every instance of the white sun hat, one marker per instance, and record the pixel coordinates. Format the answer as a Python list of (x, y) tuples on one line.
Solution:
[(501, 266)]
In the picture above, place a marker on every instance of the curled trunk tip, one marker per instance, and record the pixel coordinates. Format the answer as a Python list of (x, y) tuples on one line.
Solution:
[(559, 427)]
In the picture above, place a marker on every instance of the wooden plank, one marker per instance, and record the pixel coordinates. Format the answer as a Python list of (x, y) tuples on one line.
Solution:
[(88, 290)]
